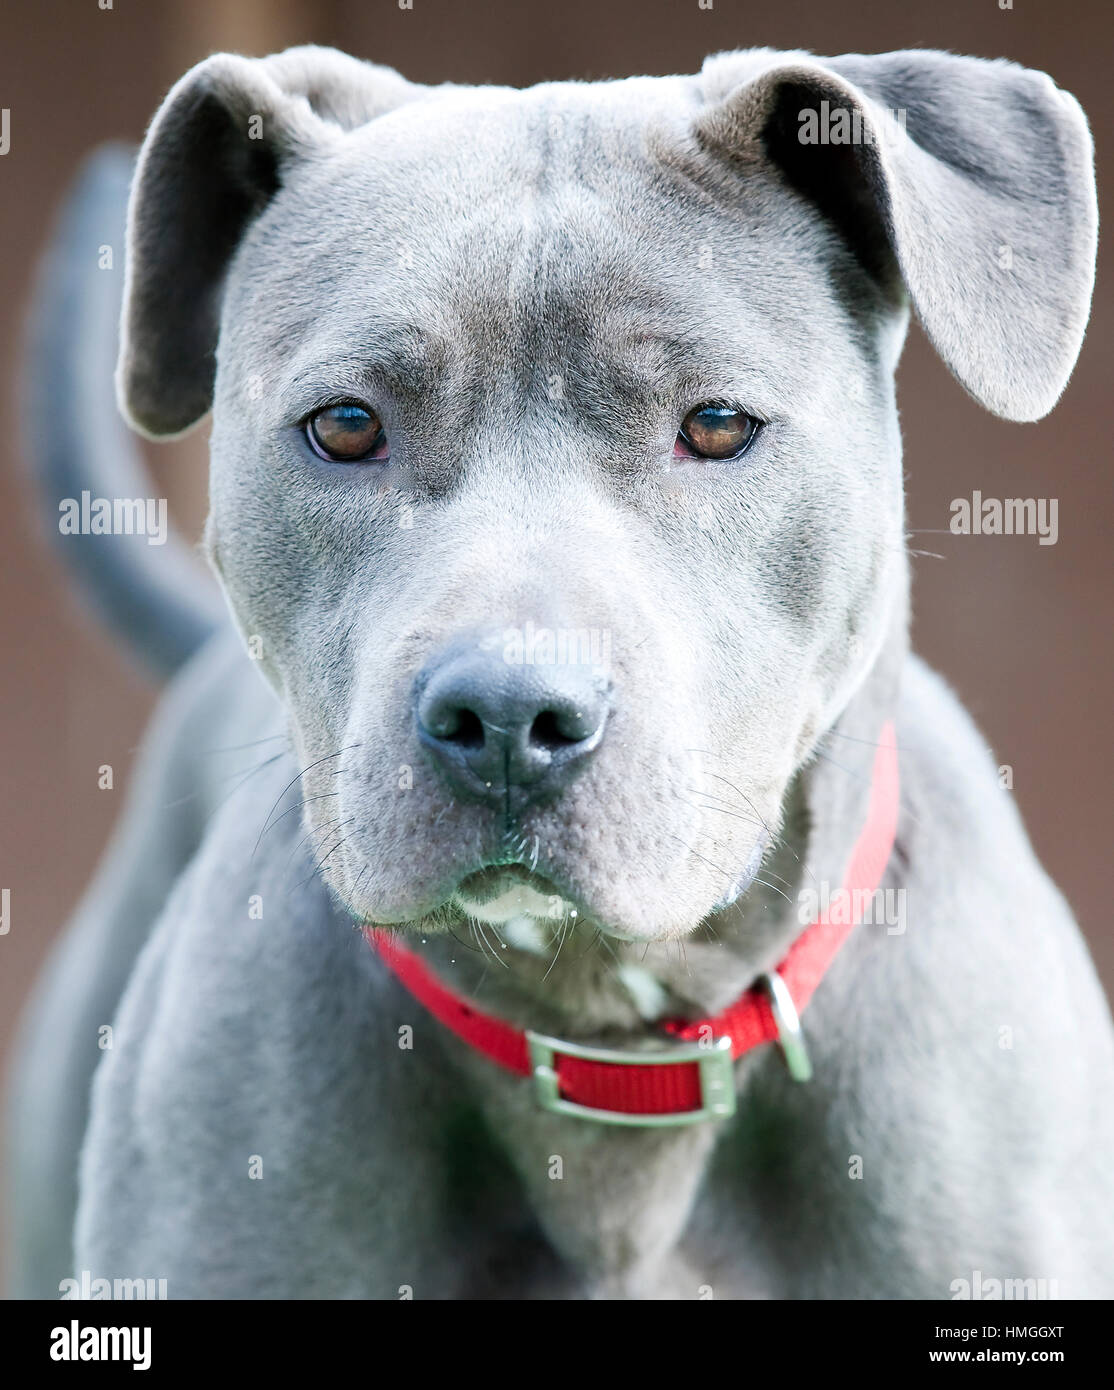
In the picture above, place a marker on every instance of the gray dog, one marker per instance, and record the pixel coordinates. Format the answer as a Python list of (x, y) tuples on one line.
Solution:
[(556, 495)]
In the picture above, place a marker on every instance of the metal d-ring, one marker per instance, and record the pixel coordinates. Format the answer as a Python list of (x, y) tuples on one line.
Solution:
[(790, 1038)]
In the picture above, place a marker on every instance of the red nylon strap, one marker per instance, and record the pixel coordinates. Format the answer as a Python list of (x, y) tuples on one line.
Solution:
[(632, 1090), (497, 1040), (672, 1088)]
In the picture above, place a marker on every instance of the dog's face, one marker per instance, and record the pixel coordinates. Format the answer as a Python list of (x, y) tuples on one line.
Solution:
[(508, 287), (556, 471)]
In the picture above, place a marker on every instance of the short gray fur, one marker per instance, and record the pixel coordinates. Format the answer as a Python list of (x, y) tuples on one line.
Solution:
[(533, 286)]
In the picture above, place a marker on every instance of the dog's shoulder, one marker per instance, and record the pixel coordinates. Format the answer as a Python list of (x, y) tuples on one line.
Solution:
[(954, 787), (978, 899)]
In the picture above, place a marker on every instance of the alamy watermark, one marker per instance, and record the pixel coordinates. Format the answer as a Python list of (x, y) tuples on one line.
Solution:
[(842, 125), (114, 516), (85, 1287), (1010, 516), (878, 907), (545, 646), (77, 1343), (983, 1286)]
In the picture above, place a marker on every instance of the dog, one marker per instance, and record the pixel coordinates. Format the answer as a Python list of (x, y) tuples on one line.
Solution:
[(556, 498)]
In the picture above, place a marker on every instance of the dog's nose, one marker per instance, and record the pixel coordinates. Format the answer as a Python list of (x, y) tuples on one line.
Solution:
[(495, 727)]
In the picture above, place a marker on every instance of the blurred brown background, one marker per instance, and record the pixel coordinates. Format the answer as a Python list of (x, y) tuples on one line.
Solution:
[(1021, 630)]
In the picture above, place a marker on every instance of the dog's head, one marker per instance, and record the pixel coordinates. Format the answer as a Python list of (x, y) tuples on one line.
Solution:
[(555, 464)]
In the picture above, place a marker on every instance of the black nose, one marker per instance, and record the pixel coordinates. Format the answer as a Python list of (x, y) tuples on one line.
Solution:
[(496, 728)]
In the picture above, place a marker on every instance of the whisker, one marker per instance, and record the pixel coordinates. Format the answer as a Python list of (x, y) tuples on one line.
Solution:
[(195, 795), (321, 796), (723, 810), (320, 829), (239, 747), (319, 866), (466, 944), (773, 887), (867, 742), (480, 929), (776, 839), (858, 776), (562, 933), (289, 784)]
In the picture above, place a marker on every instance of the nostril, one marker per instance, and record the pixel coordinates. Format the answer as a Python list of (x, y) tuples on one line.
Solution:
[(462, 727), (469, 731), (560, 728), (547, 732)]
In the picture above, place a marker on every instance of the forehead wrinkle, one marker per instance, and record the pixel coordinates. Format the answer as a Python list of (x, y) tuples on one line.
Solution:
[(404, 358), (536, 282)]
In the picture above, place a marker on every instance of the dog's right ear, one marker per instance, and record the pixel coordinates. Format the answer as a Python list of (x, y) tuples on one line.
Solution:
[(213, 158), (979, 200)]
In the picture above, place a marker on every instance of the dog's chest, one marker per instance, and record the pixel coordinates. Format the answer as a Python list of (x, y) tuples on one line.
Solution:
[(600, 1221), (592, 1210)]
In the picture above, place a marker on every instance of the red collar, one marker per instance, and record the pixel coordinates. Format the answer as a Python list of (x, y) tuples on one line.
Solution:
[(693, 1080)]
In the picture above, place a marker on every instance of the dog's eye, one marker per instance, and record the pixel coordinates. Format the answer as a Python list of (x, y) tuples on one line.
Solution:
[(713, 431), (347, 434)]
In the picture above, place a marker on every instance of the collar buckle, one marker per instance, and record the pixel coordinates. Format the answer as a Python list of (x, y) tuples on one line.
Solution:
[(713, 1061)]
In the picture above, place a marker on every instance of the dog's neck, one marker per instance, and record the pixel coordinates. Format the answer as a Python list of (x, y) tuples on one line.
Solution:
[(583, 985)]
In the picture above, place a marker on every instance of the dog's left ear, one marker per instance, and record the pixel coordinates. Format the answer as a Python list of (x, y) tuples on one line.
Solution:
[(218, 150), (970, 181)]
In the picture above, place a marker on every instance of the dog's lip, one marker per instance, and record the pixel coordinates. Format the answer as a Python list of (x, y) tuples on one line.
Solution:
[(491, 881), (501, 893), (488, 892)]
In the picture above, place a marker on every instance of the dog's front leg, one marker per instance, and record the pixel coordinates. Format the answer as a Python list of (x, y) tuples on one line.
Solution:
[(256, 1128)]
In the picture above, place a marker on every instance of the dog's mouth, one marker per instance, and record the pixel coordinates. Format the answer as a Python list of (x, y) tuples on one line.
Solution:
[(522, 905), (499, 893)]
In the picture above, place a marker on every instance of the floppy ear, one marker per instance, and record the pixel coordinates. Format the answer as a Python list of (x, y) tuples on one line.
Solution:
[(970, 180), (214, 156)]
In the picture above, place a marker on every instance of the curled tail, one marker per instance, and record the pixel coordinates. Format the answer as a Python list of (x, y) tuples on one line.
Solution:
[(157, 598)]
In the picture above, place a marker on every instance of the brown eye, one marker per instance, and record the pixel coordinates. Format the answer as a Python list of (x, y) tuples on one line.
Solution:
[(347, 434), (716, 432)]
